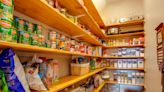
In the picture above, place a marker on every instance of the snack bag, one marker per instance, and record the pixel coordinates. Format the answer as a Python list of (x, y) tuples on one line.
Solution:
[(34, 79), (8, 65)]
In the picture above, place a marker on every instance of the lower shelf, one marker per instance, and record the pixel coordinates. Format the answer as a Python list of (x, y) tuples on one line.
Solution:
[(100, 87), (113, 82), (69, 80)]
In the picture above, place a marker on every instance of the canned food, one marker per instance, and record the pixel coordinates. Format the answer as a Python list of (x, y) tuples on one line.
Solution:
[(53, 45), (52, 36)]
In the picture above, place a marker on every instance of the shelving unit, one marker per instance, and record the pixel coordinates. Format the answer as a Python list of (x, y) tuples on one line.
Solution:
[(41, 11), (130, 23), (70, 80), (75, 8), (94, 13), (130, 46), (126, 35)]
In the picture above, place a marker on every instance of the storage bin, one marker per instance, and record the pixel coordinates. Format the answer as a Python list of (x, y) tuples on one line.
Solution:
[(79, 69)]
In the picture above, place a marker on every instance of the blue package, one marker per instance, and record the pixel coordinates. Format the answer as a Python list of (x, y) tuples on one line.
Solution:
[(7, 65)]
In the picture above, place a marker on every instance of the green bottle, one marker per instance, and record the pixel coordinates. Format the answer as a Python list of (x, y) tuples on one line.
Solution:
[(3, 83), (92, 64)]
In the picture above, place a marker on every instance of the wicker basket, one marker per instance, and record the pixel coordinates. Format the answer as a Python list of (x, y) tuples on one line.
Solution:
[(79, 69)]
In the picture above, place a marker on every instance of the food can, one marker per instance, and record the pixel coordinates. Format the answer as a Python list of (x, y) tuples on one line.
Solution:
[(53, 45), (35, 39), (26, 38), (52, 36), (14, 35), (48, 44), (7, 2), (6, 12)]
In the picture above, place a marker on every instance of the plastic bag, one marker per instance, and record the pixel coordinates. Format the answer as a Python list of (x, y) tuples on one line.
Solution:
[(7, 64), (32, 75)]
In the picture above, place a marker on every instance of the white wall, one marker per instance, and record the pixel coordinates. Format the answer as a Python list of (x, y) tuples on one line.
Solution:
[(116, 9), (99, 4), (154, 15)]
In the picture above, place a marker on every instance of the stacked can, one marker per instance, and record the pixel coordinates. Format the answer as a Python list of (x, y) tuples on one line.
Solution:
[(6, 18)]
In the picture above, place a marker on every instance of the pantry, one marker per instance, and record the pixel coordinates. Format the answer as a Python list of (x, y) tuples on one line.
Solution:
[(77, 46)]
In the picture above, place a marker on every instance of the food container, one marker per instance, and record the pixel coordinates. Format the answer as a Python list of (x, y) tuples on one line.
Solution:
[(52, 36), (79, 69), (113, 31), (48, 44), (124, 20), (25, 37), (14, 35), (53, 45)]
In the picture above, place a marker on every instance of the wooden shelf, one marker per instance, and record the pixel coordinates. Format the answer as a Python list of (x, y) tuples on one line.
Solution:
[(43, 12), (94, 13), (130, 46), (126, 35), (111, 68), (100, 87), (109, 57), (75, 8), (113, 82), (70, 80), (130, 23), (30, 48)]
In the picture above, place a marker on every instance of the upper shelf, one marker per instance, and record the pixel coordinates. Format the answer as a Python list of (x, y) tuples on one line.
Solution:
[(94, 13), (41, 11), (30, 48), (128, 46), (126, 35), (130, 23), (75, 8)]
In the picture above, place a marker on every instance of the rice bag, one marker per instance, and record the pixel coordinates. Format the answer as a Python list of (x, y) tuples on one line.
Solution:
[(3, 84), (7, 64), (32, 74)]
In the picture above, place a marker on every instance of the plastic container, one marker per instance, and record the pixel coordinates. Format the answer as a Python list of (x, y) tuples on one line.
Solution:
[(79, 69)]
